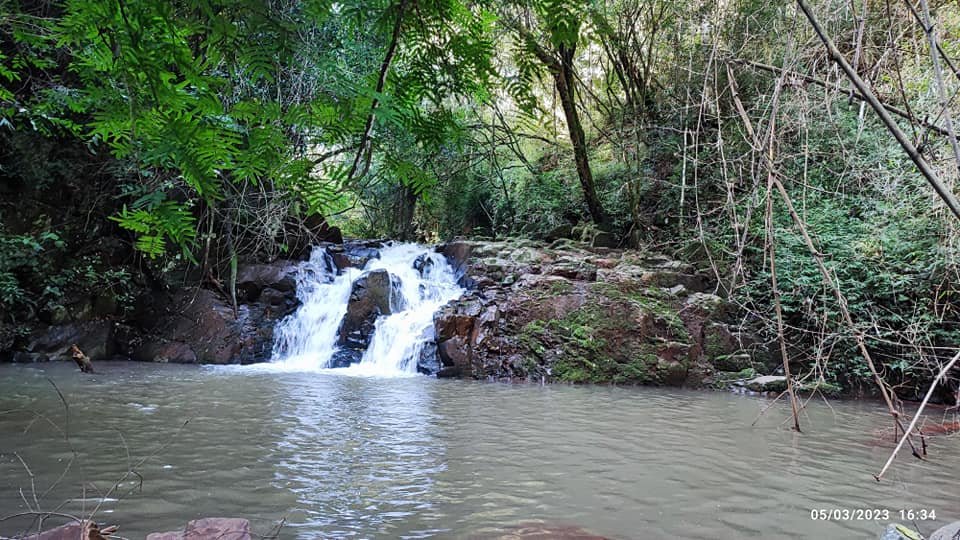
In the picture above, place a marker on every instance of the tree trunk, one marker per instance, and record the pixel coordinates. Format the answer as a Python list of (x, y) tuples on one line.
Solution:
[(564, 79)]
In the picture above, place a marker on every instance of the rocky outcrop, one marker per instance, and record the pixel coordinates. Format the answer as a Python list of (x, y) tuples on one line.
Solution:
[(94, 338), (585, 313), (190, 325), (201, 326)]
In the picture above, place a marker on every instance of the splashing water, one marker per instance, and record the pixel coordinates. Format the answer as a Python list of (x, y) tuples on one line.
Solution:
[(307, 339)]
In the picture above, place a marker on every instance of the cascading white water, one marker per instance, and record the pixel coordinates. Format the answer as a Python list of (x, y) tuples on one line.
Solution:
[(307, 339)]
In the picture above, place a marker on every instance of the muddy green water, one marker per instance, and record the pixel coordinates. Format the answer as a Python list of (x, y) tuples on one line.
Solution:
[(337, 456)]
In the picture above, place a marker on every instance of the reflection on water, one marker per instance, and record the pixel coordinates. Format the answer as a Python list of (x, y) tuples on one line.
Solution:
[(363, 457)]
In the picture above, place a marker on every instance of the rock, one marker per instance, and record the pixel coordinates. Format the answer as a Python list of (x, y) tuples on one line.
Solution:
[(455, 352), (456, 253), (94, 338), (457, 318), (732, 362), (209, 529), (199, 326), (559, 232), (707, 305), (373, 294), (575, 270), (604, 239), (896, 531), (76, 530), (767, 383), (947, 532), (423, 263), (22, 357), (345, 357), (668, 279), (354, 254), (428, 362), (174, 352), (449, 372), (252, 279), (718, 341), (275, 298)]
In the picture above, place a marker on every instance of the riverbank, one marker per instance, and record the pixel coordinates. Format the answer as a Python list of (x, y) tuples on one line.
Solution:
[(569, 311)]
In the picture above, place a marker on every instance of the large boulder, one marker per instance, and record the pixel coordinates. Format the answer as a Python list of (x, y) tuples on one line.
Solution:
[(199, 326), (94, 338), (252, 279), (457, 254), (374, 294), (577, 312)]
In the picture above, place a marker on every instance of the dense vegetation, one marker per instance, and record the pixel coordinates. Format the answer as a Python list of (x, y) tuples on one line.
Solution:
[(144, 142)]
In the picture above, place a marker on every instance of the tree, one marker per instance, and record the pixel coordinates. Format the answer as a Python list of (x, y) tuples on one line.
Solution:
[(550, 32)]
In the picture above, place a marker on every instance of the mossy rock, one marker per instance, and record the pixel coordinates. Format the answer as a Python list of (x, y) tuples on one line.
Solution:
[(767, 383), (733, 362), (826, 388)]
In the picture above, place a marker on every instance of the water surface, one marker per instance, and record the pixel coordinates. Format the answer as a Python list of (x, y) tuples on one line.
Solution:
[(352, 456)]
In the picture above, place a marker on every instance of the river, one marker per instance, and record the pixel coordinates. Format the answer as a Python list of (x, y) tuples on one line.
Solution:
[(340, 455)]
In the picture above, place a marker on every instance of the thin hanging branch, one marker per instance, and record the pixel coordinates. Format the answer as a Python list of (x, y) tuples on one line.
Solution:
[(931, 31), (943, 54), (772, 249), (903, 113), (948, 197)]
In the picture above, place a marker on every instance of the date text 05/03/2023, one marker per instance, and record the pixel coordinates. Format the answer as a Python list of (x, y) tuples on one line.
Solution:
[(872, 514)]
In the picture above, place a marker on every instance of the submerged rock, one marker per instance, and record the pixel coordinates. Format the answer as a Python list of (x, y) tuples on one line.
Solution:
[(947, 532), (76, 530), (208, 529)]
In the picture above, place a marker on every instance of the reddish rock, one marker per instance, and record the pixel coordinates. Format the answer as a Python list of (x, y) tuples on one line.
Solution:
[(457, 253), (456, 352), (209, 529), (545, 531), (77, 530)]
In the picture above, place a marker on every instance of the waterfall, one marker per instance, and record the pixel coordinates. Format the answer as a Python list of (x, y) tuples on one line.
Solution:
[(421, 281)]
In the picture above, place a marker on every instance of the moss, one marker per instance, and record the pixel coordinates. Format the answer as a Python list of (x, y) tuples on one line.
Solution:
[(638, 371), (558, 287), (714, 347), (826, 388), (601, 343), (658, 302)]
